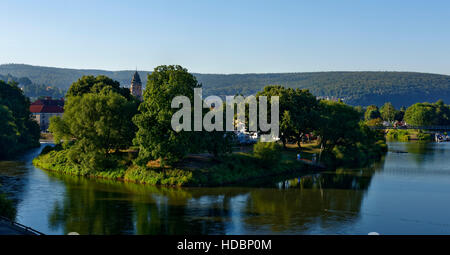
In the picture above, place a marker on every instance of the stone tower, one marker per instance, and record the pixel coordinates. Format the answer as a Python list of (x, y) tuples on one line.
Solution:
[(136, 86)]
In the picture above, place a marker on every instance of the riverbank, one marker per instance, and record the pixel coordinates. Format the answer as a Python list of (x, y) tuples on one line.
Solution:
[(408, 135), (195, 170), (245, 165)]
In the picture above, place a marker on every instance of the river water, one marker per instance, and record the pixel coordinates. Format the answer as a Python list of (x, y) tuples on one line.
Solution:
[(408, 192)]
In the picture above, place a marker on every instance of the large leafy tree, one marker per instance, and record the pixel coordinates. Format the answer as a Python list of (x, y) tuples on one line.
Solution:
[(299, 111), (92, 84), (443, 113), (421, 114), (17, 130), (337, 125), (155, 137), (98, 123), (388, 112), (9, 135), (346, 138)]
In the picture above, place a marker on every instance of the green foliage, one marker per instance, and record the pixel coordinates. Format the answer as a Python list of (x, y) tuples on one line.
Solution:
[(337, 125), (372, 112), (398, 135), (428, 114), (388, 112), (217, 142), (155, 137), (421, 136), (344, 139), (169, 177), (59, 161), (378, 122), (98, 121), (99, 84), (33, 90), (299, 111), (400, 114), (407, 135), (18, 131), (269, 154)]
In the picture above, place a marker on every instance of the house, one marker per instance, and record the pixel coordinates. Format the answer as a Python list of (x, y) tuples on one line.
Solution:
[(43, 109)]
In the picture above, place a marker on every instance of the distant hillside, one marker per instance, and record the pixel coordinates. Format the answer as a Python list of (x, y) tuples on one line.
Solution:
[(33, 90), (356, 88)]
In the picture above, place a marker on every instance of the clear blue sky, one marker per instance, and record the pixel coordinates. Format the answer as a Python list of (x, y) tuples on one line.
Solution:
[(215, 36)]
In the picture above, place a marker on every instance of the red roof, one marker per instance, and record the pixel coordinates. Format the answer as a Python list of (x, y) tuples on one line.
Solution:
[(46, 109)]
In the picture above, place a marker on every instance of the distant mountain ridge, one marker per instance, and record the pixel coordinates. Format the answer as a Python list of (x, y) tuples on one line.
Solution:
[(356, 88)]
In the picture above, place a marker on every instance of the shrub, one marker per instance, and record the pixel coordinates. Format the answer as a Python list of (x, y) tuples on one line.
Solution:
[(269, 154)]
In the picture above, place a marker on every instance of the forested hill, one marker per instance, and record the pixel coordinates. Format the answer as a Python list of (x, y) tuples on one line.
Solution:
[(356, 88)]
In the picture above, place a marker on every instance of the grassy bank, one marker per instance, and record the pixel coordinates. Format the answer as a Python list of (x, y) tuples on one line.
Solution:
[(58, 161), (231, 169), (407, 135), (246, 164)]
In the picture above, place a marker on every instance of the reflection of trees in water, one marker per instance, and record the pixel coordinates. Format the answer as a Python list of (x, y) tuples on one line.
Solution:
[(107, 207), (421, 151), (13, 176), (13, 180), (318, 200), (88, 210)]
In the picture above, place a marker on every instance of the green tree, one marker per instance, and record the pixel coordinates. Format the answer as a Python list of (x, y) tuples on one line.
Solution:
[(399, 115), (268, 153), (344, 138), (388, 112), (443, 113), (337, 125), (91, 84), (421, 114), (18, 131), (299, 111), (372, 112), (155, 137), (9, 135), (97, 124)]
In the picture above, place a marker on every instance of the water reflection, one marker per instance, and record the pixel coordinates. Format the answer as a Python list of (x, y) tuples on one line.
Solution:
[(106, 207), (396, 195)]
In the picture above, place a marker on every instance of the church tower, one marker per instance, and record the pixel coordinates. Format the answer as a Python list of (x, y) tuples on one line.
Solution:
[(136, 86)]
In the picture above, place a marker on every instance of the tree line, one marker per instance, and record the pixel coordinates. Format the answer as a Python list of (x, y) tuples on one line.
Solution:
[(418, 114), (101, 120), (356, 88), (33, 90)]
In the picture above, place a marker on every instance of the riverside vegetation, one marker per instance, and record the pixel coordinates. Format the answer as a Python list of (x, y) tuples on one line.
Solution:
[(419, 114), (106, 133), (18, 132)]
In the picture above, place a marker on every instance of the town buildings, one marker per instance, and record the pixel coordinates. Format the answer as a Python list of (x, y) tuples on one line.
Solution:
[(43, 109)]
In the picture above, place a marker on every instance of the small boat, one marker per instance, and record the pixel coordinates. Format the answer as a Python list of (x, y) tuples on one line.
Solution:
[(441, 138)]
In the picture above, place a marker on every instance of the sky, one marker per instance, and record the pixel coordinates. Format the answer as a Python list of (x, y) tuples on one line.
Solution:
[(215, 36)]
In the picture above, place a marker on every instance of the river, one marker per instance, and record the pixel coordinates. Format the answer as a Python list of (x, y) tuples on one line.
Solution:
[(408, 192)]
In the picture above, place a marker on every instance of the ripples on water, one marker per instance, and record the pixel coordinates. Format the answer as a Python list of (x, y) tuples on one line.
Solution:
[(406, 193)]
